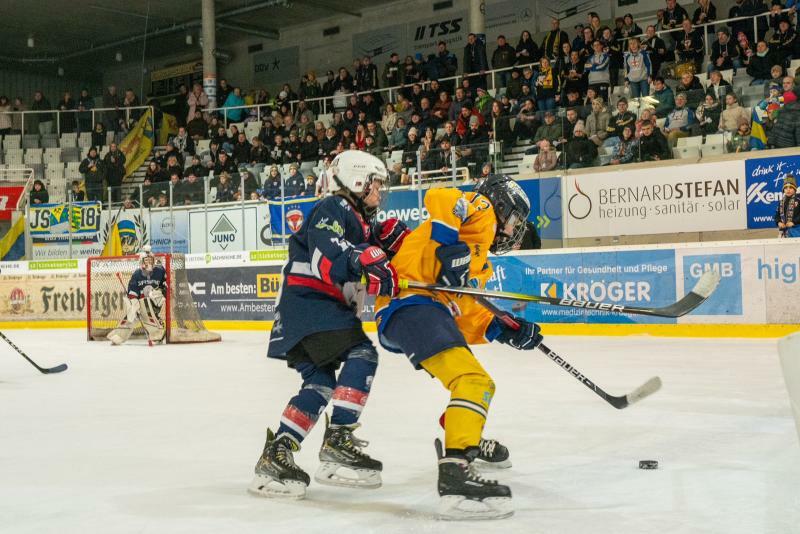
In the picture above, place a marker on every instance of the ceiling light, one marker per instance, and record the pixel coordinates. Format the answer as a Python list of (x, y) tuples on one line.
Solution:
[(61, 71), (189, 39), (118, 56), (31, 44)]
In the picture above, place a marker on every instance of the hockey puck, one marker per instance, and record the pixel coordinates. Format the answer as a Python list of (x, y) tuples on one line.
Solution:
[(648, 464)]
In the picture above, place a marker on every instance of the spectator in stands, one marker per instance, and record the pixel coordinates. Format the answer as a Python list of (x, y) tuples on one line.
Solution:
[(585, 48), (547, 90), (366, 75), (547, 158), (84, 116), (241, 150), (344, 82), (294, 184), (150, 192), (38, 193), (175, 192), (527, 121), (272, 185), (689, 45), (613, 48), (224, 164), (733, 112), (736, 26), (233, 100), (784, 131), (504, 56), (551, 44), (725, 54), (596, 125), (389, 118), (527, 51), (475, 63), (638, 69), (674, 15), (579, 152), (197, 168), (223, 90), (680, 121), (787, 216), (131, 100), (41, 123), (646, 117), (628, 29), (173, 164), (718, 87), (761, 64), (155, 173), (663, 94), (197, 101), (656, 48), (75, 194), (751, 8), (741, 141), (258, 157), (653, 146), (391, 76), (183, 142), (112, 102), (68, 118), (476, 141), (550, 130), (192, 190), (225, 189), (573, 75), (784, 42), (627, 149), (250, 185), (597, 66), (708, 115), (618, 122), (706, 12), (93, 173), (691, 86), (114, 163)]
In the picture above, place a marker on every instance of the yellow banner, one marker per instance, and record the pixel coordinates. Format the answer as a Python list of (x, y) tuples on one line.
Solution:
[(169, 126), (138, 144)]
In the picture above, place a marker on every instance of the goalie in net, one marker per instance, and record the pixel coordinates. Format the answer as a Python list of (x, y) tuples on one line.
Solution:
[(155, 302), (146, 290)]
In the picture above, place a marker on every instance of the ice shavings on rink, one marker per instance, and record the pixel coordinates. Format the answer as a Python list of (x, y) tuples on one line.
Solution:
[(132, 439)]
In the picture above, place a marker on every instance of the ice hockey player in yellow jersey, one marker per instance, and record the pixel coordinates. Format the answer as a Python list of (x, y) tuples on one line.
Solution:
[(435, 330)]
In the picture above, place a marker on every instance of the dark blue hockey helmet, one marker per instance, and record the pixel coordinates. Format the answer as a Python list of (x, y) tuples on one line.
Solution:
[(511, 207)]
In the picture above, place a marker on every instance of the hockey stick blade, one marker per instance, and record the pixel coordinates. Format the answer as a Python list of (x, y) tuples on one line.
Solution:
[(699, 293), (44, 370)]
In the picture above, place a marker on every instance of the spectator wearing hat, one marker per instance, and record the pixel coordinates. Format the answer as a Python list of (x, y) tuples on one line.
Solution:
[(725, 54), (484, 100), (596, 125), (787, 216), (785, 129), (741, 141), (294, 184), (618, 122), (626, 150), (775, 82), (580, 151)]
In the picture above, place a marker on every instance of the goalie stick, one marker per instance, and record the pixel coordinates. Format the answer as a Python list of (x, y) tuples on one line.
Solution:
[(703, 289), (43, 370), (645, 390)]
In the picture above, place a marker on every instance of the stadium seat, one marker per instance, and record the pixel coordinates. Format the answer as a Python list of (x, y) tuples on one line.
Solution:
[(727, 75), (252, 129), (686, 152), (69, 140), (85, 140), (30, 141), (71, 154), (52, 156), (50, 141), (32, 155), (12, 141), (695, 140), (202, 145), (13, 156), (712, 150), (715, 139), (325, 119)]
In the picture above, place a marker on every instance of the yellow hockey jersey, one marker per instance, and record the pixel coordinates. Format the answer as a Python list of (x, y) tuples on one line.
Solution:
[(454, 216)]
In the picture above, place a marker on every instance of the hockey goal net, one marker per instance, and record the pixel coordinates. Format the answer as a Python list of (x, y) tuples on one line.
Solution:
[(106, 286)]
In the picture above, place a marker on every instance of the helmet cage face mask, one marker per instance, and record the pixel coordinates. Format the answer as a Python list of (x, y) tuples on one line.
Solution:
[(147, 262), (510, 230)]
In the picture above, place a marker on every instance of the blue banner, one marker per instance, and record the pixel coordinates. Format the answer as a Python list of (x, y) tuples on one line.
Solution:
[(640, 278), (544, 194), (727, 299), (286, 217), (764, 187), (170, 233)]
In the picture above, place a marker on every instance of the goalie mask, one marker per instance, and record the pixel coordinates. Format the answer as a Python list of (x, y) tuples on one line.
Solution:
[(511, 207), (146, 259), (361, 178)]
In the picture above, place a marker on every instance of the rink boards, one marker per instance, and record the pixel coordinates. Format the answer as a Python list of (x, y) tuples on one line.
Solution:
[(759, 287)]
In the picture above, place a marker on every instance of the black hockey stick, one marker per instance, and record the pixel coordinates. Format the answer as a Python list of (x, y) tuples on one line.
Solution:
[(699, 293), (43, 370), (645, 390)]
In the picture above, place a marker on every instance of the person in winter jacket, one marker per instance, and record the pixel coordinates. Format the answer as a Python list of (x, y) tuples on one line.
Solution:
[(597, 67), (787, 216), (197, 101), (665, 97), (295, 183), (39, 194), (547, 86), (475, 63), (653, 146), (114, 163), (708, 115), (680, 120), (580, 151), (504, 56), (627, 149), (596, 128), (761, 64), (785, 129), (732, 114), (93, 172), (638, 69)]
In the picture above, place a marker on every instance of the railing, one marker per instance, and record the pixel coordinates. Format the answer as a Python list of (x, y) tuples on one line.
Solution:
[(77, 117)]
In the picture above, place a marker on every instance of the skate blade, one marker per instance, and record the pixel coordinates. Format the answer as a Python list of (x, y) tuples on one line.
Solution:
[(483, 464), (264, 486), (333, 474), (459, 508)]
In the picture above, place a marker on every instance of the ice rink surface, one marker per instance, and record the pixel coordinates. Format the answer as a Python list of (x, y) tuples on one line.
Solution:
[(164, 440)]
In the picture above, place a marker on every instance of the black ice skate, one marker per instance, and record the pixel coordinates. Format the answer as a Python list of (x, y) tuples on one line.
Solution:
[(492, 454), (465, 495), (343, 463), (276, 474)]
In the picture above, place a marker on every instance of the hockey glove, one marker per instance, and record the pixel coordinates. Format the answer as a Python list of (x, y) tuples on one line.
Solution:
[(527, 337), (380, 274), (455, 260), (390, 234)]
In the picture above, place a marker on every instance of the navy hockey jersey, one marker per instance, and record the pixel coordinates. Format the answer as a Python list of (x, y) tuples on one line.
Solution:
[(157, 279), (312, 297)]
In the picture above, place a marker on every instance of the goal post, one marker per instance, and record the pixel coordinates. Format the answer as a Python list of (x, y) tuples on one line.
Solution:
[(107, 287), (789, 351)]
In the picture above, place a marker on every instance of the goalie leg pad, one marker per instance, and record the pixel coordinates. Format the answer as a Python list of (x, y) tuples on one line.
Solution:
[(148, 314), (124, 329)]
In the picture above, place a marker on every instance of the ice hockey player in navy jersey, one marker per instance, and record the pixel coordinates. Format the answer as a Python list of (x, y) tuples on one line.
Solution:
[(318, 331), (146, 290)]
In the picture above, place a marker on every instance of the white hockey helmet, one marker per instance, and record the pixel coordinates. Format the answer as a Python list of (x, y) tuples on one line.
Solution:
[(355, 171), (146, 257)]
